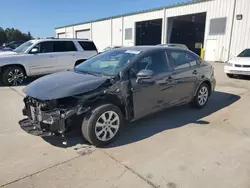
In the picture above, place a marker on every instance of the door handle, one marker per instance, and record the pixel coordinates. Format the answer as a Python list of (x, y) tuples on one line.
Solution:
[(51, 56), (195, 72)]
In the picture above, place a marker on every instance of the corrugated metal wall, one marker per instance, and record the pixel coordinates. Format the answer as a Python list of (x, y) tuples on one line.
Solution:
[(117, 31), (101, 34), (112, 31), (213, 9), (241, 28), (129, 22)]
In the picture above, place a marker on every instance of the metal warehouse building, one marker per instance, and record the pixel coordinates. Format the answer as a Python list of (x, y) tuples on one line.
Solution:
[(221, 27)]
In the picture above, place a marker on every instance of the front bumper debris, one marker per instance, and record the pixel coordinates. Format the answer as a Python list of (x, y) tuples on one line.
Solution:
[(55, 121)]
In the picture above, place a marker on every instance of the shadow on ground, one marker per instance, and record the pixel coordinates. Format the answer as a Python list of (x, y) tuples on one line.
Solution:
[(241, 77), (168, 119)]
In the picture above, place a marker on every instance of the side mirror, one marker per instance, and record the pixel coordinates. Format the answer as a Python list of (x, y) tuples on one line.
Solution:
[(34, 50), (143, 75)]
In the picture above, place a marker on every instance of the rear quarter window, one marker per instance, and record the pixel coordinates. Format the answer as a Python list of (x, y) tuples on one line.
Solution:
[(64, 46), (87, 46), (182, 59)]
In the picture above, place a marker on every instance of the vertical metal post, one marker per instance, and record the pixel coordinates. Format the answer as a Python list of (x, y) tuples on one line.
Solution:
[(163, 40), (122, 28), (91, 33), (231, 34), (111, 33)]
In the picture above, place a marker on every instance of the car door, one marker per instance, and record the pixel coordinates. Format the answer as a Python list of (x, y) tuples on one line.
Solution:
[(185, 74), (155, 93), (42, 60), (65, 52)]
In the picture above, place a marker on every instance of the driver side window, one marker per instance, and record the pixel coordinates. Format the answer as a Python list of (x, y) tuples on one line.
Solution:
[(156, 62), (44, 47)]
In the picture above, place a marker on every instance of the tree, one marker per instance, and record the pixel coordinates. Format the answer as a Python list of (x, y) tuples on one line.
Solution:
[(3, 37), (12, 34)]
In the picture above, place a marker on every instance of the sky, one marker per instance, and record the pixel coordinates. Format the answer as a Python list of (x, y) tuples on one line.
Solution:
[(40, 17)]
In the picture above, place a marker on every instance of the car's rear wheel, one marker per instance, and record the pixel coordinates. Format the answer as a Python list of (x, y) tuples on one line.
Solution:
[(102, 124), (13, 76), (230, 75), (201, 98)]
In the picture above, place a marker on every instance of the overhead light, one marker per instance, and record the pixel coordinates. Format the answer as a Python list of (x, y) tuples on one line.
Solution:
[(239, 16)]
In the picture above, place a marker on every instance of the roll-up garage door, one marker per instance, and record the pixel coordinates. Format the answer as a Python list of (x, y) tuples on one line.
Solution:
[(61, 35), (83, 34)]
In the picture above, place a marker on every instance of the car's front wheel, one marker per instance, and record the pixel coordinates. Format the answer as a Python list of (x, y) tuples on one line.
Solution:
[(13, 76), (102, 124), (201, 97)]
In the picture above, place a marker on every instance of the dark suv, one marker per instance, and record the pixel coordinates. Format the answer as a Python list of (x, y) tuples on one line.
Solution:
[(118, 86)]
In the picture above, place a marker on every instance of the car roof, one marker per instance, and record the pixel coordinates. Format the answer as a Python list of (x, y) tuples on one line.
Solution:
[(147, 48), (61, 39)]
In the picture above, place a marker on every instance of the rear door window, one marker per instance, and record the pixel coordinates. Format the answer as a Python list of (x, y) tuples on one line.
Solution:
[(64, 46), (87, 46), (182, 59)]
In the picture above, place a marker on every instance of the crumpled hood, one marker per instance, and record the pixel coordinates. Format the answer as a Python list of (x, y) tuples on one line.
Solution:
[(8, 53), (63, 84)]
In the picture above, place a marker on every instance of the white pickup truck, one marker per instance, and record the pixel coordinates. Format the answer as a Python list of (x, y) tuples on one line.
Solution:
[(43, 56)]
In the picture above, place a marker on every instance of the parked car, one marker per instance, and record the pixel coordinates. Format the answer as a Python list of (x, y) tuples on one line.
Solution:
[(239, 65), (106, 94), (12, 45), (43, 56), (175, 45)]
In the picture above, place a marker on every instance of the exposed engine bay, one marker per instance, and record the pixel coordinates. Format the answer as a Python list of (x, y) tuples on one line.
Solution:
[(54, 115)]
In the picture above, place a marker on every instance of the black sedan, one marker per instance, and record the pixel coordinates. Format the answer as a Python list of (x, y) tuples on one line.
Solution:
[(105, 93)]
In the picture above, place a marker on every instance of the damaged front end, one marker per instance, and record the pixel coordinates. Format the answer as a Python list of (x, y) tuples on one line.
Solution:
[(54, 116)]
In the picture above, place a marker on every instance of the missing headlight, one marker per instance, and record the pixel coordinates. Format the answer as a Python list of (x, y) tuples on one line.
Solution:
[(48, 105)]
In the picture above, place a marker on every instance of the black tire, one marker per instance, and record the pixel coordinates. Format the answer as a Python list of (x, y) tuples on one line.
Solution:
[(90, 120), (230, 75), (5, 77), (197, 99)]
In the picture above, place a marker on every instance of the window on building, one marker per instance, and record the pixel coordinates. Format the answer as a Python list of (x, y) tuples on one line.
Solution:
[(218, 26), (128, 34)]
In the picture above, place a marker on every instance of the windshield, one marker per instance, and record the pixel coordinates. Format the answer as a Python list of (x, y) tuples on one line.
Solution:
[(245, 53), (22, 48), (107, 63)]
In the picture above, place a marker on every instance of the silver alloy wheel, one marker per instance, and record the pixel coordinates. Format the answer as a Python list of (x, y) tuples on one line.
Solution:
[(203, 95), (15, 77), (107, 125)]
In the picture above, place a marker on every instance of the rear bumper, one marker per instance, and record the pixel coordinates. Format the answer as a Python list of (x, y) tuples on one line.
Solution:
[(236, 70)]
